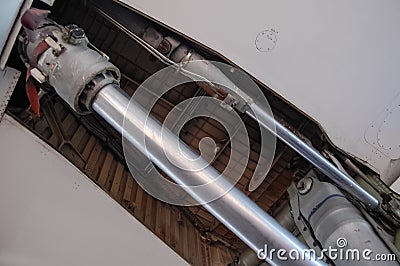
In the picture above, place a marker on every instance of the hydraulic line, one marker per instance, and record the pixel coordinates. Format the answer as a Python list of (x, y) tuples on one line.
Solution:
[(313, 156), (135, 26)]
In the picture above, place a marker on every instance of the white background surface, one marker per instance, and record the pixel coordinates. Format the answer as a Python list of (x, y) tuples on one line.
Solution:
[(51, 214), (8, 13), (337, 61)]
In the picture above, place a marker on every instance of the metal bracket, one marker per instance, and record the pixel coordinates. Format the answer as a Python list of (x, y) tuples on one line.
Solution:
[(57, 48), (49, 2), (38, 75)]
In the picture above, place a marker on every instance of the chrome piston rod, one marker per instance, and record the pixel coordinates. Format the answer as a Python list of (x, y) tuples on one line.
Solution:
[(234, 209), (313, 156)]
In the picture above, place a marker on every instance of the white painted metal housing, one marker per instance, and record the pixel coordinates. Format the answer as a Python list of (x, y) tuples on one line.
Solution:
[(52, 214), (10, 25)]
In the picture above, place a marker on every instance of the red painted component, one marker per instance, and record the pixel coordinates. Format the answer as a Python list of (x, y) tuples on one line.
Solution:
[(33, 17), (32, 94), (40, 49)]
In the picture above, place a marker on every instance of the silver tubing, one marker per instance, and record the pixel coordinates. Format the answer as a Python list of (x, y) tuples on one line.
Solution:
[(284, 134), (313, 156), (235, 210)]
